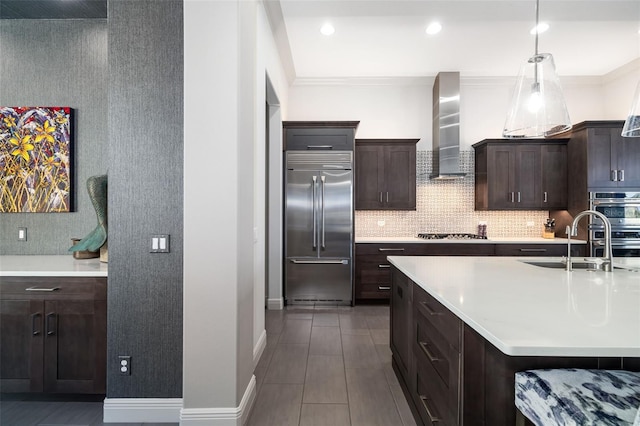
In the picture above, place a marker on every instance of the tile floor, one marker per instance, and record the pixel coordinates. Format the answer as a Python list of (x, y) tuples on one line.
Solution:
[(321, 366), (328, 366)]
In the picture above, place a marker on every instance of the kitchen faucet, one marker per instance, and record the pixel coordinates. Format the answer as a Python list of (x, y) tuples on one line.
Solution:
[(607, 258)]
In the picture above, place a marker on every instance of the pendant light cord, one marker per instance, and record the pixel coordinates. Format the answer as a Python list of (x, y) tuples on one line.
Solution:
[(536, 28)]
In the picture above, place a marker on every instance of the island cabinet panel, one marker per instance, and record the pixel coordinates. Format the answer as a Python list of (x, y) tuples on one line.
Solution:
[(385, 174), (521, 175), (53, 334), (401, 319), (454, 376), (539, 250)]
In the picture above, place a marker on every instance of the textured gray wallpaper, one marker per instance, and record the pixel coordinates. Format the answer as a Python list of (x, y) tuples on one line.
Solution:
[(57, 63), (145, 196)]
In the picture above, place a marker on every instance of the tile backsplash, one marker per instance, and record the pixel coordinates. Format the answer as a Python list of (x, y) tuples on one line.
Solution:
[(446, 206)]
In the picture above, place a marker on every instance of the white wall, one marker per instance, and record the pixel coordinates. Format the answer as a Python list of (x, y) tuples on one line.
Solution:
[(401, 108), (619, 89)]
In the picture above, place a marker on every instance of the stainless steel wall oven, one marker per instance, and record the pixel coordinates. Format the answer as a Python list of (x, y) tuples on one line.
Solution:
[(623, 211)]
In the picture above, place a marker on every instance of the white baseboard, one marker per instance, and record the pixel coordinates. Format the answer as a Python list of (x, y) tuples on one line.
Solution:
[(275, 304), (233, 416), (141, 410), (259, 348)]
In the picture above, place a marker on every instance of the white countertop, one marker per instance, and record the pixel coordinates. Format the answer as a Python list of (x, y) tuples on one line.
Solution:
[(51, 266), (494, 240), (527, 310)]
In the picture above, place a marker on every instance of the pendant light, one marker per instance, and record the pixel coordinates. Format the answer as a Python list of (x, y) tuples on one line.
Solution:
[(538, 108), (631, 126)]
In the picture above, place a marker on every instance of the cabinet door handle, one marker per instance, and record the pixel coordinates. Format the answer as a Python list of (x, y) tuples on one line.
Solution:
[(614, 175), (51, 329), (390, 249), (432, 417), (425, 348), (429, 310), (384, 287), (384, 266), (380, 196), (42, 289), (621, 175), (513, 197), (34, 324), (544, 197), (387, 196), (533, 250), (518, 196)]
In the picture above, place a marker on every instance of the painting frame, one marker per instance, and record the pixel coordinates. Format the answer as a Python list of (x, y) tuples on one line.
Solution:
[(36, 159)]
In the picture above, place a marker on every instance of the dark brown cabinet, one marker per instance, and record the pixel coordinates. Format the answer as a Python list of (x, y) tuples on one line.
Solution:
[(319, 135), (401, 319), (53, 334), (601, 155), (385, 174), (522, 175)]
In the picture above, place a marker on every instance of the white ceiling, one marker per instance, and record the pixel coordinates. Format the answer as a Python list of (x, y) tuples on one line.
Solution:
[(387, 38)]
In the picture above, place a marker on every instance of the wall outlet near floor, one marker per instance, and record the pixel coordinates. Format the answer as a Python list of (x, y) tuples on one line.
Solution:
[(22, 234), (125, 365)]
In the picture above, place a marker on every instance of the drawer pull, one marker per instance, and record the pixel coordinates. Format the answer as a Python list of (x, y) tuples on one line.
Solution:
[(533, 250), (384, 287), (34, 324), (42, 289), (51, 330), (432, 417), (429, 310), (384, 266), (427, 352), (390, 249)]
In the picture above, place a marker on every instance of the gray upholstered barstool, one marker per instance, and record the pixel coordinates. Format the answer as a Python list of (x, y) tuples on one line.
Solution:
[(577, 397)]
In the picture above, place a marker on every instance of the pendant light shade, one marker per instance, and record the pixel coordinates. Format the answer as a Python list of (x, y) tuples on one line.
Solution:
[(537, 108), (632, 124)]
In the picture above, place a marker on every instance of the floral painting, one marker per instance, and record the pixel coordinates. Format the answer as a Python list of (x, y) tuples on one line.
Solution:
[(35, 159)]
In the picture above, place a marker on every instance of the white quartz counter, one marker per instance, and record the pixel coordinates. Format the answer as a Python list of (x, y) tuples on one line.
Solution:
[(51, 266), (496, 240), (527, 310)]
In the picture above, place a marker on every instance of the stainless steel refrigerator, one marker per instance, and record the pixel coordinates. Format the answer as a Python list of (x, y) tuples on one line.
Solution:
[(318, 227)]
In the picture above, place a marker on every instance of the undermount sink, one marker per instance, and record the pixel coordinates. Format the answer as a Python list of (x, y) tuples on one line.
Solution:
[(578, 265)]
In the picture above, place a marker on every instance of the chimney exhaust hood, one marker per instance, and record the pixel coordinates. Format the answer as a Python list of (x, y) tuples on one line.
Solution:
[(446, 126)]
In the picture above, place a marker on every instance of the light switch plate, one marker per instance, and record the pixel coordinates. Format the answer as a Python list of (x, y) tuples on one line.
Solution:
[(159, 243), (22, 234)]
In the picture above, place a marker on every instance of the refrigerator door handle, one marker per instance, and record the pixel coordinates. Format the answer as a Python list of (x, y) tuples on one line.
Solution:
[(322, 211), (332, 262), (313, 208)]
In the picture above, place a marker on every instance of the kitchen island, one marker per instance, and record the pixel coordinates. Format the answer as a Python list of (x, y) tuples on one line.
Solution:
[(462, 326)]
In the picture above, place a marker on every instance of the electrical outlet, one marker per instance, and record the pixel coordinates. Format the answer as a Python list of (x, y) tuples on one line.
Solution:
[(530, 224), (125, 365), (159, 244), (22, 234)]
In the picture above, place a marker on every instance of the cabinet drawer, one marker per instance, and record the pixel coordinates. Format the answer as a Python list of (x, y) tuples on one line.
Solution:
[(431, 346), (52, 288), (373, 291), (373, 272), (443, 320), (385, 250), (431, 397), (531, 250)]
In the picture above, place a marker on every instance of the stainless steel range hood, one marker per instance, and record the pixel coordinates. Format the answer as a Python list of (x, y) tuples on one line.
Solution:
[(446, 126)]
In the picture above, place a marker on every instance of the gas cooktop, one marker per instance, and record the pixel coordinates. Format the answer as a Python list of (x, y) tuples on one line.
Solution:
[(453, 236)]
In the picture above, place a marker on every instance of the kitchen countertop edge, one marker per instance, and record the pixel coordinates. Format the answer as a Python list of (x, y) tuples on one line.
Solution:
[(493, 240), (51, 266)]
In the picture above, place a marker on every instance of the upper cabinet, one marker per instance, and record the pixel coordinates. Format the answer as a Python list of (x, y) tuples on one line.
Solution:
[(319, 135), (601, 159), (385, 174), (523, 174)]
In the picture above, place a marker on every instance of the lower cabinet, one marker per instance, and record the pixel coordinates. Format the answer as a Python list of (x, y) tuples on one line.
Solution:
[(53, 334), (372, 269), (452, 376)]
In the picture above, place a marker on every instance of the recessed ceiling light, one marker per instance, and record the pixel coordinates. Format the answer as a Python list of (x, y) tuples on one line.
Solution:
[(434, 28), (327, 29), (542, 27)]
